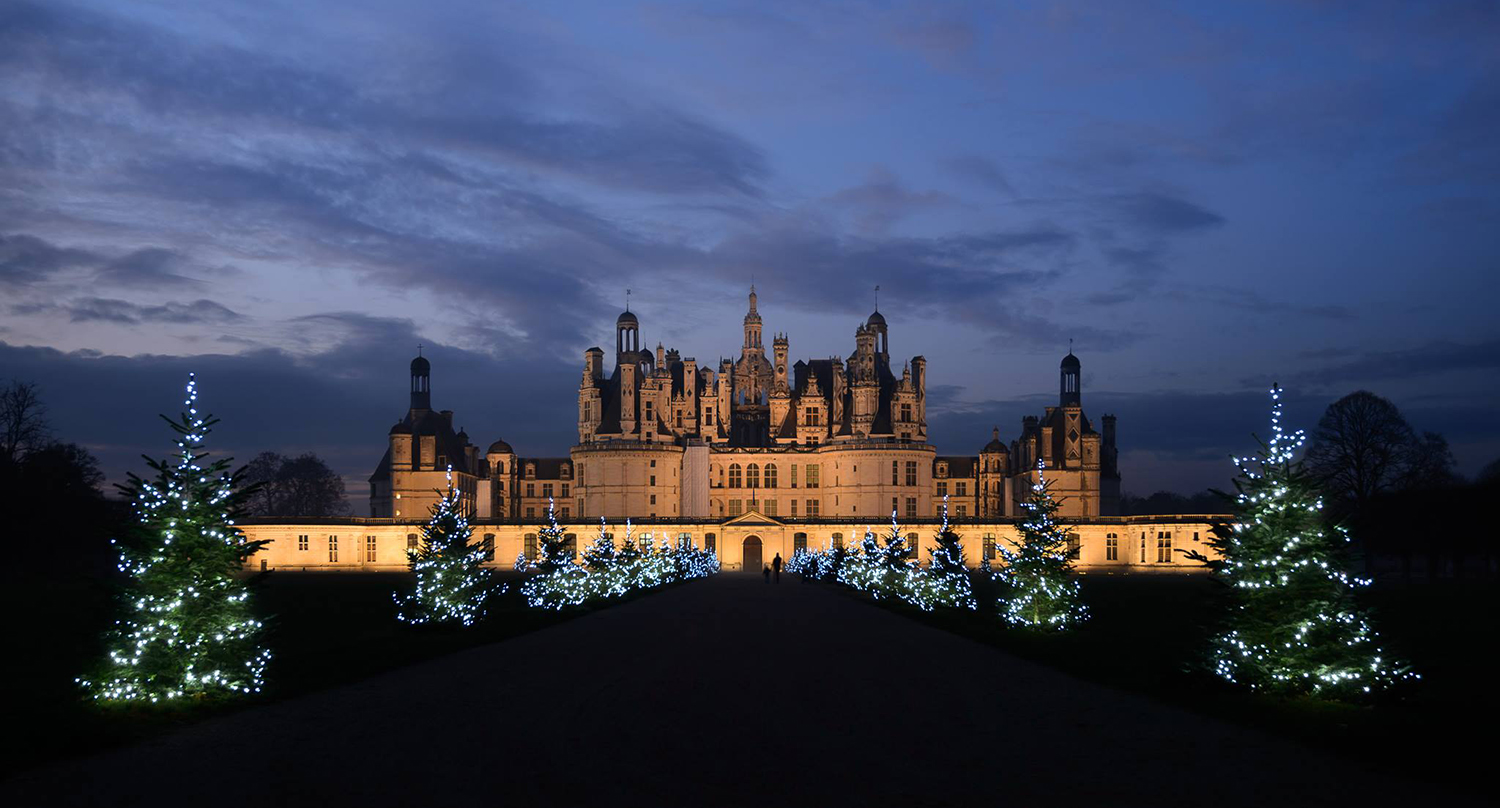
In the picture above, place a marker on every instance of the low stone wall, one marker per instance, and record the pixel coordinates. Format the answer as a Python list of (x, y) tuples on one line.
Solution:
[(1111, 544)]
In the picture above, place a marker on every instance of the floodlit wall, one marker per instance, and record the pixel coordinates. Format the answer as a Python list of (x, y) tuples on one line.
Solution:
[(1107, 545)]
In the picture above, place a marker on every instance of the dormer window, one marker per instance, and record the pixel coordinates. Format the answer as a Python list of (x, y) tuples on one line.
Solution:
[(531, 470), (942, 469), (565, 472)]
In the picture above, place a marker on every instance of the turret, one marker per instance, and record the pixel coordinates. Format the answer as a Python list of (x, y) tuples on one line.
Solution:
[(752, 323), (421, 383), (779, 350), (1070, 392), (627, 337)]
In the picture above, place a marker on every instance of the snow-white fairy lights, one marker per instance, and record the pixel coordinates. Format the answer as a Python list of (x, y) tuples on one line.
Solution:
[(189, 629), (1294, 626), (1037, 590), (452, 585)]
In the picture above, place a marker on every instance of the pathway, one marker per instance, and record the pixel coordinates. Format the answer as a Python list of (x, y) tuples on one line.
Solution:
[(723, 692)]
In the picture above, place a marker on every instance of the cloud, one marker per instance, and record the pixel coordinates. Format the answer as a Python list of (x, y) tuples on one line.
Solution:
[(122, 311), (1162, 213), (1426, 360), (26, 259), (980, 170), (882, 200)]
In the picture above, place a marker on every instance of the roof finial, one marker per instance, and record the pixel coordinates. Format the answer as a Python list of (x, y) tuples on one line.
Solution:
[(877, 297), (627, 300), (419, 349), (1070, 346)]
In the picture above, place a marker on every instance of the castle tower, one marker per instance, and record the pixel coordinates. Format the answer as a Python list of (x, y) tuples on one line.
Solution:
[(752, 325), (421, 383), (1070, 392), (627, 337)]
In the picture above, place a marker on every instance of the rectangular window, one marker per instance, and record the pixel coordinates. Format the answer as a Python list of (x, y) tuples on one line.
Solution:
[(564, 492), (411, 541), (1195, 537), (812, 509), (528, 548), (794, 509), (369, 549), (531, 513), (653, 464), (963, 510), (547, 490), (1164, 547), (911, 472), (794, 475), (710, 541), (736, 507), (911, 507), (531, 489), (895, 472), (837, 540), (653, 479), (1111, 547), (942, 488), (333, 548), (812, 476), (1143, 547), (961, 489), (799, 541), (770, 507), (489, 547), (906, 412), (302, 542), (653, 499), (895, 504), (563, 512), (989, 547)]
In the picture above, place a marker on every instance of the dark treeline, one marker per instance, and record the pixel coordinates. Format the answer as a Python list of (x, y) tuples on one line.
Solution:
[(1166, 502)]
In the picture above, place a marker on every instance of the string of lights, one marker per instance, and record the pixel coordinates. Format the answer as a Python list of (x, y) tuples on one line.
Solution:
[(452, 585), (188, 628)]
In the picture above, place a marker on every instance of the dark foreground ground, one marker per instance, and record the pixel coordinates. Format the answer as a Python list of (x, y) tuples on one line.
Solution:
[(722, 692)]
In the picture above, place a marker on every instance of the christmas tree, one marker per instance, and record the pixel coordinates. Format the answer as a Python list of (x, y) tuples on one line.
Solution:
[(552, 545), (452, 585), (948, 583), (601, 554), (1038, 590), (188, 628), (1293, 626), (894, 551)]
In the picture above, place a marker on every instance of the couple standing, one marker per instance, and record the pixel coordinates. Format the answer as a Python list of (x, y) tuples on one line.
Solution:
[(774, 567)]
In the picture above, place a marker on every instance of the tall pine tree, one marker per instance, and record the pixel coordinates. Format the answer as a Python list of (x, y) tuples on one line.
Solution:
[(188, 628), (601, 554), (1038, 589), (452, 584), (1293, 625)]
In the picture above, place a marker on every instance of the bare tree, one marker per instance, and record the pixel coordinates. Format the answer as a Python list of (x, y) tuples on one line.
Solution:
[(23, 420), (1429, 463), (293, 486), (1362, 448)]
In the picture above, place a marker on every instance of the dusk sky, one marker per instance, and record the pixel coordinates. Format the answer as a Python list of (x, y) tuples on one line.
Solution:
[(288, 197)]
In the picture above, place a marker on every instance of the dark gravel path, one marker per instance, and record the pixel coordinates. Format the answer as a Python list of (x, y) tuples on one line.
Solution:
[(722, 692)]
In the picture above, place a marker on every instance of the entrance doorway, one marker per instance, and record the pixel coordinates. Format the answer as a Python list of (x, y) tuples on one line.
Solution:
[(752, 554)]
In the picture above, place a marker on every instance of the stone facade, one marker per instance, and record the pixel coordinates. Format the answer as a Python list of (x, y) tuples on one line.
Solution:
[(1108, 544), (660, 437)]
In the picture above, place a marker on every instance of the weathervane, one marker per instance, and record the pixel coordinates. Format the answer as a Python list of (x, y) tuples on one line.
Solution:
[(627, 300), (877, 297)]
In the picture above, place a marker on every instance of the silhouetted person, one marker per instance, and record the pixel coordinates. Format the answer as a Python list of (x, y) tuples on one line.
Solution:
[(776, 565), (767, 572)]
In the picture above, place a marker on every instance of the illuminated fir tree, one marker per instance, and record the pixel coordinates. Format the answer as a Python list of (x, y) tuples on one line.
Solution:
[(188, 629), (601, 554), (894, 551), (452, 584), (1038, 589), (552, 544), (1293, 626), (950, 585)]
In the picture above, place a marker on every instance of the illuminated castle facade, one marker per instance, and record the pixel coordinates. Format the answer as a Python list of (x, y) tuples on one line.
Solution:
[(838, 438)]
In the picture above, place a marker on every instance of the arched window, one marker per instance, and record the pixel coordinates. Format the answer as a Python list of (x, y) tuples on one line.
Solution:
[(529, 547), (752, 476), (770, 475), (799, 542), (499, 467), (734, 475), (838, 540), (710, 542), (570, 545)]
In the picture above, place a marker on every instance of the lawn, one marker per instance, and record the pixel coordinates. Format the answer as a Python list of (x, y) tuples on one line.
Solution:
[(1146, 633), (323, 629)]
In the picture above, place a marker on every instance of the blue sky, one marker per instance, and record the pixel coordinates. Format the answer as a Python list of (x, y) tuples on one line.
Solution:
[(287, 197)]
